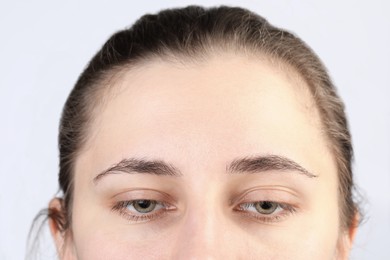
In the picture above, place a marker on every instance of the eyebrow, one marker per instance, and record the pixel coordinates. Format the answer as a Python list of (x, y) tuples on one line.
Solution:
[(257, 164), (134, 165), (252, 164)]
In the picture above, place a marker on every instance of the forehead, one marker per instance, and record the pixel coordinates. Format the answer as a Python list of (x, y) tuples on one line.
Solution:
[(226, 103), (225, 83)]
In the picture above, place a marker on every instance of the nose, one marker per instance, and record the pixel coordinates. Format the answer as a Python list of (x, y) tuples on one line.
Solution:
[(203, 234)]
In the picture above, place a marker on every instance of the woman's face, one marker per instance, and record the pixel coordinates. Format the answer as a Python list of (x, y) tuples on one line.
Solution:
[(223, 159)]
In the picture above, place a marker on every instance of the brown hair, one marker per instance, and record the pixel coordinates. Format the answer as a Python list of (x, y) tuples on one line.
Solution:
[(192, 32)]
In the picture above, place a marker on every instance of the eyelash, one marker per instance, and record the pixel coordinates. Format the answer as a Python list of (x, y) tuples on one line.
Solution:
[(284, 209), (121, 206)]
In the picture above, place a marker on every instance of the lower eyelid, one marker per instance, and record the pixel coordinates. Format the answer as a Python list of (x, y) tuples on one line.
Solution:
[(267, 219)]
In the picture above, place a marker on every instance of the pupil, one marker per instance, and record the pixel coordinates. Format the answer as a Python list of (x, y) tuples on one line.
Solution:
[(144, 203), (266, 205)]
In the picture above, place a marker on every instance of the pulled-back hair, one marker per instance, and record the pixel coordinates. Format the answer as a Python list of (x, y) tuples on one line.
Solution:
[(192, 33)]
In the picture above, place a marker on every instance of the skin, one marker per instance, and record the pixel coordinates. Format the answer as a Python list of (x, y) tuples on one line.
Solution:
[(199, 117)]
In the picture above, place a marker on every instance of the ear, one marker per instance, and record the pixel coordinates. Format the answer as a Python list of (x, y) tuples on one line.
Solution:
[(353, 228), (57, 219), (347, 237)]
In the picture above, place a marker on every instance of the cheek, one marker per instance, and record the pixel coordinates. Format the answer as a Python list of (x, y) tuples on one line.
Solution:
[(119, 244), (309, 238), (309, 241)]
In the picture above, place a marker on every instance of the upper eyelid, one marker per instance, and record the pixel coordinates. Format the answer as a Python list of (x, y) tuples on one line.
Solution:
[(256, 196), (165, 198), (149, 194), (251, 201), (252, 195), (280, 204)]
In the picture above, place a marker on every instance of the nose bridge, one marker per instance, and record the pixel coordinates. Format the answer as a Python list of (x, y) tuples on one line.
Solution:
[(201, 233)]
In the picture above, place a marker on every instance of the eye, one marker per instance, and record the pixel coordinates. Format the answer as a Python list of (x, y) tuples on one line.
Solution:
[(141, 210), (262, 207), (266, 211), (143, 206)]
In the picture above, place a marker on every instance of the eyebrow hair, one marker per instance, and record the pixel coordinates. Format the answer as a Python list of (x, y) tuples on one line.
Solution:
[(266, 163), (253, 164), (133, 165)]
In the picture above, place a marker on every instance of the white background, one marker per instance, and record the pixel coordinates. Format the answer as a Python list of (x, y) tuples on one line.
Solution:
[(44, 45)]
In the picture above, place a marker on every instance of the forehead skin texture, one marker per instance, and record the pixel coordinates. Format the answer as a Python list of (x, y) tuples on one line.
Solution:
[(198, 118)]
